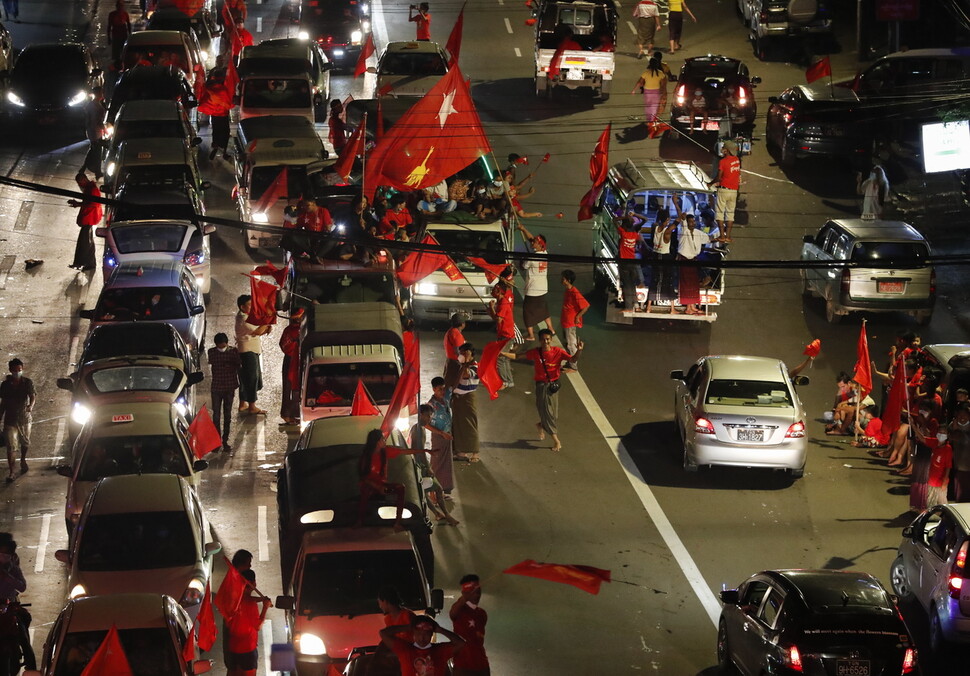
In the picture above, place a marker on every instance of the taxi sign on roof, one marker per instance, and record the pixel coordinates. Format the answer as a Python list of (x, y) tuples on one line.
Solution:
[(122, 418)]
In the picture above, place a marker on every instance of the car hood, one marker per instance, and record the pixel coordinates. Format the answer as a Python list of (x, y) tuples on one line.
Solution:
[(54, 90), (171, 581), (407, 85), (342, 634)]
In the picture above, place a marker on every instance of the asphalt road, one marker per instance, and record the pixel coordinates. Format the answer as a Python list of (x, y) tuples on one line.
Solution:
[(616, 496)]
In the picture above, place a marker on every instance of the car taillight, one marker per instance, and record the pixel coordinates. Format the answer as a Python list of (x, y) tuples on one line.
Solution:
[(909, 661), (795, 430), (846, 279), (954, 585), (681, 94), (793, 658), (762, 16), (703, 426), (194, 258), (742, 96)]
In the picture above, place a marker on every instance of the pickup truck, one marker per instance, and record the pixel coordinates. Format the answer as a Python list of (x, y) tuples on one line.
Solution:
[(575, 43)]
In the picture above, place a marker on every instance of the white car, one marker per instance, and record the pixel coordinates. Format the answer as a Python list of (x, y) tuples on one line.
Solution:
[(142, 533), (740, 411), (126, 438), (158, 240), (153, 629), (410, 69)]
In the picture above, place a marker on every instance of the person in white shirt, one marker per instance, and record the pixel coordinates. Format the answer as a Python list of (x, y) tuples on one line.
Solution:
[(535, 307), (690, 242), (647, 17), (249, 342)]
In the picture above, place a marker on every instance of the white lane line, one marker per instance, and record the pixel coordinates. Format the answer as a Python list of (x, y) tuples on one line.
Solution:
[(262, 536), (378, 25), (267, 632), (633, 29), (259, 24), (648, 500), (518, 52), (45, 532), (501, 2), (72, 353), (508, 25), (59, 439), (260, 441)]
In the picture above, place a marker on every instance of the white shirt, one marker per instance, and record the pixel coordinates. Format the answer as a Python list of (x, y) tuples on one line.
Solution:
[(645, 10), (536, 280), (659, 245), (689, 242), (246, 338)]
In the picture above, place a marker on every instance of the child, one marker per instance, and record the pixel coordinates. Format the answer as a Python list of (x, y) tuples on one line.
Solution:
[(698, 108), (433, 487), (940, 463)]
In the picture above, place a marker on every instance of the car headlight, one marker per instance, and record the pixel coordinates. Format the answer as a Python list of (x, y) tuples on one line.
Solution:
[(364, 9), (78, 99), (16, 100), (303, 35), (110, 262), (356, 36), (192, 596), (366, 26), (78, 590), (181, 407), (311, 645), (260, 218), (426, 289), (204, 54), (80, 413), (108, 132), (111, 168)]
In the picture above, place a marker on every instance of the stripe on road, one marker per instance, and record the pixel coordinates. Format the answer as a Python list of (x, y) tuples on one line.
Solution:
[(518, 52), (262, 536), (6, 265), (633, 29), (45, 533), (23, 215), (508, 25)]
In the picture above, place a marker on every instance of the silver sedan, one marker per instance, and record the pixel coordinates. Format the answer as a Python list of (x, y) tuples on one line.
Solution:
[(740, 411)]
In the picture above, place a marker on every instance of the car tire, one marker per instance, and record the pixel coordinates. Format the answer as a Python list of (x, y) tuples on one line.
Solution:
[(786, 158), (899, 581), (831, 316), (688, 465), (541, 87), (761, 48), (603, 98), (939, 646), (724, 662), (806, 287)]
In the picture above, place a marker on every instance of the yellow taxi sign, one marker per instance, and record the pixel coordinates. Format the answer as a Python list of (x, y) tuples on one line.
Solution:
[(122, 418)]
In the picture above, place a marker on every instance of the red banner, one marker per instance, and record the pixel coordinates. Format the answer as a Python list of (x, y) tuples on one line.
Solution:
[(586, 578)]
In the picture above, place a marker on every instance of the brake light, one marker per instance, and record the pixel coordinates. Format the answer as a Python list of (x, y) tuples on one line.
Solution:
[(961, 558), (194, 258), (793, 658), (846, 280), (909, 661), (703, 426), (795, 430), (954, 585), (762, 16), (681, 94), (742, 96)]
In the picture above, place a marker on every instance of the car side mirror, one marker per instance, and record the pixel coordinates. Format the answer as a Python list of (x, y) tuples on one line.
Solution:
[(208, 229), (212, 548), (908, 532), (437, 599), (755, 80), (772, 99), (676, 375), (328, 66), (196, 141), (195, 378), (730, 597), (371, 69), (63, 555), (808, 239), (197, 310), (284, 602), (65, 471), (801, 380), (205, 185), (101, 232), (200, 465), (201, 666), (65, 384), (86, 314)]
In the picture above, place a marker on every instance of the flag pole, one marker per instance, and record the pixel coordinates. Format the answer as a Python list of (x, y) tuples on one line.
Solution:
[(858, 398)]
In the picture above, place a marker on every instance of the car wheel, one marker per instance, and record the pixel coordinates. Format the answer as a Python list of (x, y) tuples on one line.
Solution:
[(541, 87), (899, 580), (786, 158), (761, 48), (689, 465), (603, 98), (831, 316), (806, 287), (723, 650)]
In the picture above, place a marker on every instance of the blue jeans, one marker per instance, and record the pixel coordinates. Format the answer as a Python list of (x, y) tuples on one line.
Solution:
[(12, 8)]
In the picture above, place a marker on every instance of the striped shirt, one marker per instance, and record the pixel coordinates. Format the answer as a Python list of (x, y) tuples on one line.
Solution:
[(469, 383)]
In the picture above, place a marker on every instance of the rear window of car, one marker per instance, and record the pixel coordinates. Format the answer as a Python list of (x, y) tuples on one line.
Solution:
[(149, 238), (146, 303), (759, 393), (156, 55), (896, 252), (335, 384), (136, 541), (705, 69), (824, 596), (149, 651), (419, 63)]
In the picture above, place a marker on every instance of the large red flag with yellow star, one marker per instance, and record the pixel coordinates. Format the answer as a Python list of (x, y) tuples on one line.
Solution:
[(439, 136)]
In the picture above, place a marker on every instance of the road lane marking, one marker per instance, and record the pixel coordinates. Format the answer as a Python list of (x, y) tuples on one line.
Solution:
[(378, 25), (648, 500), (633, 29), (259, 24), (23, 215), (260, 441), (262, 536), (267, 632), (5, 266), (45, 533), (501, 2), (508, 25), (518, 52)]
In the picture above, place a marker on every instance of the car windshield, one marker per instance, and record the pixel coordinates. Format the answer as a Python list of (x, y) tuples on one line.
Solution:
[(156, 55), (894, 252), (321, 16), (136, 541), (158, 175), (749, 393), (276, 93), (346, 583), (264, 176), (344, 287), (489, 242), (416, 63), (146, 454), (134, 129), (153, 237), (135, 378), (150, 652), (141, 302), (59, 63), (335, 384)]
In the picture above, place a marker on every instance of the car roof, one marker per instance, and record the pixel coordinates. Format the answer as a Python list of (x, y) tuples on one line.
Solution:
[(340, 431), (413, 46), (276, 49), (741, 367), (962, 511), (831, 582), (879, 230), (57, 48), (156, 37), (660, 175), (355, 539), (944, 352), (159, 150), (146, 73), (149, 109), (823, 92), (276, 126), (139, 493), (149, 418), (714, 59), (135, 334), (125, 611), (152, 273), (934, 52)]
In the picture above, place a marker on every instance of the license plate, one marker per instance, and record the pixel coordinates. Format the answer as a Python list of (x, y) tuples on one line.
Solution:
[(712, 125), (124, 418), (852, 668), (751, 435), (574, 74), (890, 287)]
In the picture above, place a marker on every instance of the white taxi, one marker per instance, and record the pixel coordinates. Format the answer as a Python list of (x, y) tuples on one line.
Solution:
[(142, 533), (409, 69)]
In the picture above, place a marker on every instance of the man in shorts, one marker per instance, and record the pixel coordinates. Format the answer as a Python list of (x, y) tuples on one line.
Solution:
[(728, 181)]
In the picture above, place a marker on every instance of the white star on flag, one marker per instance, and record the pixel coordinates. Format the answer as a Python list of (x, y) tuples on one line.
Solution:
[(447, 107)]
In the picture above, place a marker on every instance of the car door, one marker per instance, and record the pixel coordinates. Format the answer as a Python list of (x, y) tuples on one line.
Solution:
[(690, 391), (940, 536), (812, 251), (742, 638)]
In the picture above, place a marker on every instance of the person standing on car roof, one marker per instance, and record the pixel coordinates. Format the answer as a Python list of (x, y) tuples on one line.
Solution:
[(225, 365), (216, 102), (119, 28), (728, 181), (17, 398), (423, 19), (89, 214), (675, 22), (249, 342), (647, 17), (94, 115)]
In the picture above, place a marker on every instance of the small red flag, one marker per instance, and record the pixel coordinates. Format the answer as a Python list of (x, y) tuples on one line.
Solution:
[(363, 403), (407, 388), (556, 64), (420, 264), (203, 434), (188, 650), (488, 367), (599, 168), (365, 53), (586, 578), (207, 620), (353, 148), (813, 348), (229, 595), (232, 78), (109, 659), (863, 365), (453, 46), (412, 349), (895, 401), (263, 310), (277, 189), (270, 270), (819, 69)]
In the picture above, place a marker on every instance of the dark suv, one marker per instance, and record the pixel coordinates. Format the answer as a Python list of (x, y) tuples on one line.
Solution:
[(775, 20), (338, 26), (718, 78)]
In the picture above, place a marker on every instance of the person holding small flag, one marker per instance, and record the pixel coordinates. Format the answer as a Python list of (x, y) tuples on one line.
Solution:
[(469, 619)]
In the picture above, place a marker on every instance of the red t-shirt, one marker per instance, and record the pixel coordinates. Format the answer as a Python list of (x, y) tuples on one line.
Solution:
[(729, 172), (424, 25), (572, 303), (469, 623), (393, 220), (317, 221), (430, 661), (548, 365), (628, 243), (875, 430), (940, 463), (243, 627), (503, 308), (90, 213), (119, 25), (453, 340)]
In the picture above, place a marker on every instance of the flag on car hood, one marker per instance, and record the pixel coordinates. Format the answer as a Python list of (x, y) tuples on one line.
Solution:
[(363, 403)]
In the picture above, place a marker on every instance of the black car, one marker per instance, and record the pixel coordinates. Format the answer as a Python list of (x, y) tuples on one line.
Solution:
[(818, 121), (338, 26), (724, 83), (823, 622), (52, 81), (201, 24), (142, 83)]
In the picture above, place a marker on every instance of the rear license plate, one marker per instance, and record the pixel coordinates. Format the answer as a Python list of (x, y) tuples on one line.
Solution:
[(574, 74), (712, 125), (890, 287), (751, 435), (852, 668)]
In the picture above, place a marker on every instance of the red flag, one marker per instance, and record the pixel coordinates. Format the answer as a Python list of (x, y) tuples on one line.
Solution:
[(405, 391), (277, 189), (363, 403), (188, 650), (586, 578), (492, 270), (412, 350), (488, 367), (232, 78), (863, 365), (203, 434), (813, 348), (819, 69), (263, 310), (207, 619), (599, 168), (420, 264), (895, 401), (365, 52), (270, 270), (453, 46), (439, 136), (109, 659), (229, 595), (353, 148), (556, 64), (229, 22), (190, 7)]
